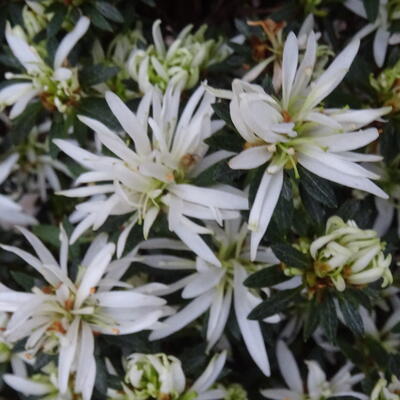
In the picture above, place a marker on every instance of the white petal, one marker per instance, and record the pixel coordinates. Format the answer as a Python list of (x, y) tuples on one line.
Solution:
[(380, 46), (184, 317), (250, 158), (94, 272), (250, 330), (70, 40), (288, 367), (289, 67), (27, 386), (26, 54), (264, 204), (129, 122)]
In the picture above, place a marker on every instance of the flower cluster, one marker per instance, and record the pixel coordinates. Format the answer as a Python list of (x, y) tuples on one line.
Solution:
[(179, 64), (207, 213)]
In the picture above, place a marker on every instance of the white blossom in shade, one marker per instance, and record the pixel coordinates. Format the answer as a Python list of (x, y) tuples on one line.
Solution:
[(156, 175), (180, 64), (57, 86), (43, 385), (317, 387), (388, 209), (160, 376), (11, 213), (384, 390), (37, 170), (297, 129), (389, 339), (63, 316), (216, 289), (388, 12), (348, 255)]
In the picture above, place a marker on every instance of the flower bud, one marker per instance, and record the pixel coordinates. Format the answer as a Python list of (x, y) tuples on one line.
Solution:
[(181, 63), (348, 255), (157, 376)]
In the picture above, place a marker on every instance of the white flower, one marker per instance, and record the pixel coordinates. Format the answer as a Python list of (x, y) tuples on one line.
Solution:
[(37, 169), (57, 86), (215, 288), (156, 175), (42, 385), (64, 316), (180, 64), (11, 213), (159, 376), (349, 255), (383, 390), (384, 335), (318, 387), (389, 10), (297, 129)]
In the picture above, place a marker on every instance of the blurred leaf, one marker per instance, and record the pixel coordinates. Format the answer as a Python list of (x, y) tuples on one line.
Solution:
[(109, 11), (225, 139), (96, 18), (222, 110), (372, 9), (23, 279), (59, 12), (48, 234), (98, 73), (24, 123), (267, 277), (98, 109), (312, 319), (58, 130)]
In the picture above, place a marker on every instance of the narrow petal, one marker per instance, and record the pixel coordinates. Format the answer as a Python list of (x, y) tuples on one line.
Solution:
[(250, 330), (70, 40)]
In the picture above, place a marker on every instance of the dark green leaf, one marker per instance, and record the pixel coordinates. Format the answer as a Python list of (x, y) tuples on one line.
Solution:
[(225, 139), (98, 73), (314, 208), (290, 256), (312, 319), (318, 188), (348, 209), (377, 351), (372, 9), (56, 21), (23, 124), (352, 317), (389, 142), (277, 302), (330, 320), (101, 377), (283, 215), (98, 109), (266, 277), (96, 18), (109, 11), (222, 110), (58, 130), (48, 234), (23, 279)]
